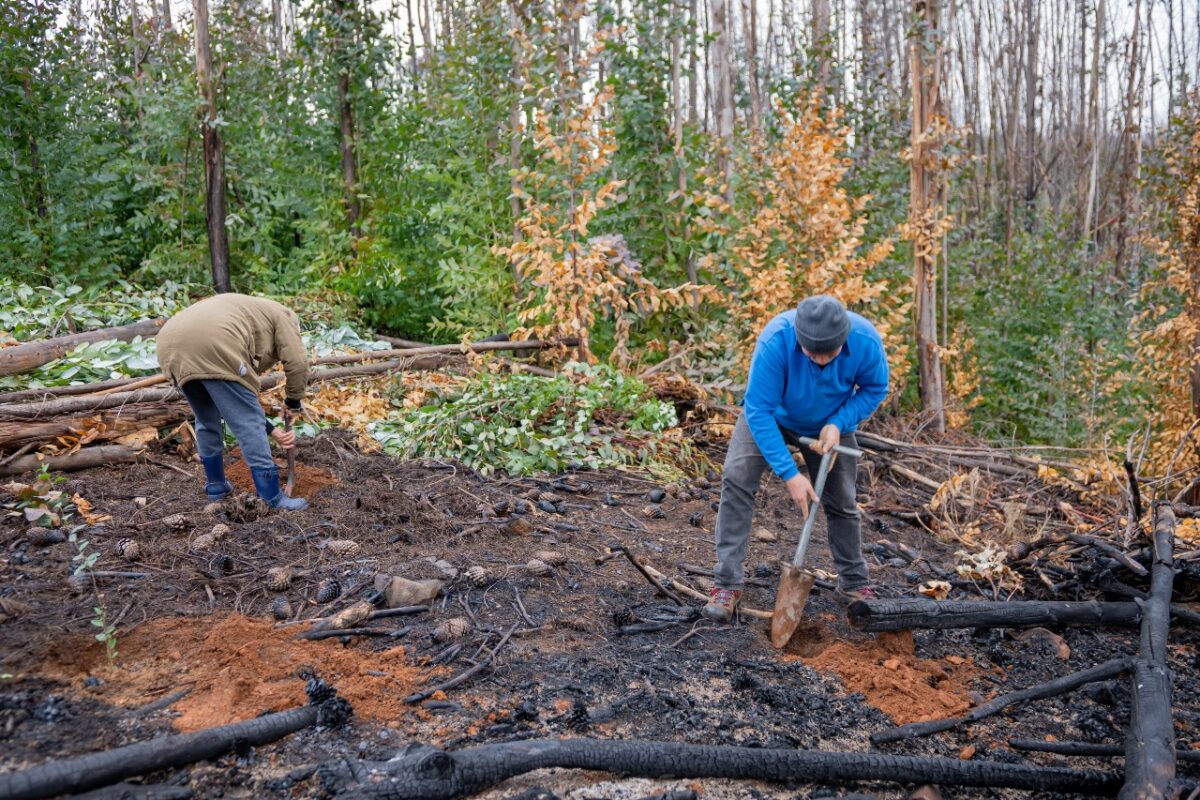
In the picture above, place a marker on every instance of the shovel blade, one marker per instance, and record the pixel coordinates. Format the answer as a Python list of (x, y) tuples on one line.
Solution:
[(790, 599)]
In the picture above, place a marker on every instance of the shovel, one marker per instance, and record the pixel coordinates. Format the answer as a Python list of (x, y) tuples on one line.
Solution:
[(291, 456), (795, 583)]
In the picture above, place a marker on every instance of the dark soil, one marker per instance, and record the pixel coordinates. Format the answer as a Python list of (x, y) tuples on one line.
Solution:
[(201, 620)]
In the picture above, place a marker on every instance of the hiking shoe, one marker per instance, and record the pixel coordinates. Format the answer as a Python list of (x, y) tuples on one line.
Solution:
[(863, 592), (721, 604)]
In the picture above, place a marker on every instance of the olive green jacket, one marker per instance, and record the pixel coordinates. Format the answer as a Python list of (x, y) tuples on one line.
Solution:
[(233, 337)]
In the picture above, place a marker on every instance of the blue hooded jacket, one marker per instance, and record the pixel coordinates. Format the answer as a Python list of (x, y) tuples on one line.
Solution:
[(787, 389)]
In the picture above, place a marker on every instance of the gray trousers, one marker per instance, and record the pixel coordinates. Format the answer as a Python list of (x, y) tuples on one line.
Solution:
[(744, 466), (219, 403)]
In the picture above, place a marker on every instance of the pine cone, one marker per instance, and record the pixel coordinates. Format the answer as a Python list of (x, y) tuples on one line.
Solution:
[(519, 526), (281, 609), (551, 557), (478, 576), (220, 530), (221, 564), (328, 590), (44, 537), (653, 512), (451, 629), (204, 541), (279, 579), (129, 549), (343, 548), (550, 497), (78, 584), (175, 521), (538, 568), (624, 616)]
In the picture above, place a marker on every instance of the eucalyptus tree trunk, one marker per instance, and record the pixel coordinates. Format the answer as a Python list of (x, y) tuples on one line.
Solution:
[(750, 35), (214, 154), (346, 119), (926, 105), (723, 91), (820, 42)]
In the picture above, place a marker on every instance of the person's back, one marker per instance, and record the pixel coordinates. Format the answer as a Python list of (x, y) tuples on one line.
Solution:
[(214, 351)]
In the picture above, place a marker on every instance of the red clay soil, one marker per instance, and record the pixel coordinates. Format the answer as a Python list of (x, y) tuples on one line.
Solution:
[(308, 479), (885, 669), (237, 667)]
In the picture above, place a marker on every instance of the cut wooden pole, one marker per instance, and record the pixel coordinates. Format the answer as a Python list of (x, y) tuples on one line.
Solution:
[(1066, 683), (109, 424), (438, 349), (31, 355), (906, 613), (104, 455), (1150, 739)]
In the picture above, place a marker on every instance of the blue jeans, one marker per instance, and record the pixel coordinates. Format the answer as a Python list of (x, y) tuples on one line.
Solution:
[(744, 466), (219, 403)]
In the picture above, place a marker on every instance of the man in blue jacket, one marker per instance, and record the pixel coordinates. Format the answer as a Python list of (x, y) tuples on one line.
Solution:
[(817, 371)]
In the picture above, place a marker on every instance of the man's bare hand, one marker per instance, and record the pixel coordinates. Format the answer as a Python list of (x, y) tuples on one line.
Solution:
[(286, 439), (829, 438), (802, 492)]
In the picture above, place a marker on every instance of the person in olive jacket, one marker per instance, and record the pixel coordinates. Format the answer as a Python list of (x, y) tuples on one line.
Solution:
[(214, 352)]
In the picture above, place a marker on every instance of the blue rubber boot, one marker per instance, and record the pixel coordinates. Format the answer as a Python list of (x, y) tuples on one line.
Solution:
[(266, 481), (217, 487)]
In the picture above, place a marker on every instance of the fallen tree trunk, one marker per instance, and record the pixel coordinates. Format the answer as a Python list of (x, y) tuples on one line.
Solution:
[(428, 773), (1089, 749), (903, 614), (437, 349), (104, 455), (91, 403), (110, 423), (1066, 683), (31, 355), (1150, 740), (70, 775), (430, 358), (45, 393)]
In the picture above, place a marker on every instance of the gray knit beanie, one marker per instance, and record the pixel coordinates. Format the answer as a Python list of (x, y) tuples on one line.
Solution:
[(822, 324)]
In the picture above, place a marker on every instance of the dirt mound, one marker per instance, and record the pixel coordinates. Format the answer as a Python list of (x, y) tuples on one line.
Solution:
[(236, 668), (886, 671), (309, 480)]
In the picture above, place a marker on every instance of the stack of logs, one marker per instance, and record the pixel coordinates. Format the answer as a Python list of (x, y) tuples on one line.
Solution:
[(31, 419)]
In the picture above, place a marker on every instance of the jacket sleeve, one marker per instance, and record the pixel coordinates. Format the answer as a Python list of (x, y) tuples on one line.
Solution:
[(871, 387), (764, 393), (291, 352)]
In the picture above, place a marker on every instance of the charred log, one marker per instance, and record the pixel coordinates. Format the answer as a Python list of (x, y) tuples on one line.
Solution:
[(428, 773), (73, 775), (903, 614), (1150, 740)]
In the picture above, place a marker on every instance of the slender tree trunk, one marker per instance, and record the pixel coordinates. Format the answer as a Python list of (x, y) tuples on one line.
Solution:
[(1032, 25), (167, 24), (750, 34), (925, 107), (820, 42), (723, 94), (693, 76), (346, 117), (514, 122), (214, 155), (1094, 118), (1129, 140), (277, 28)]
